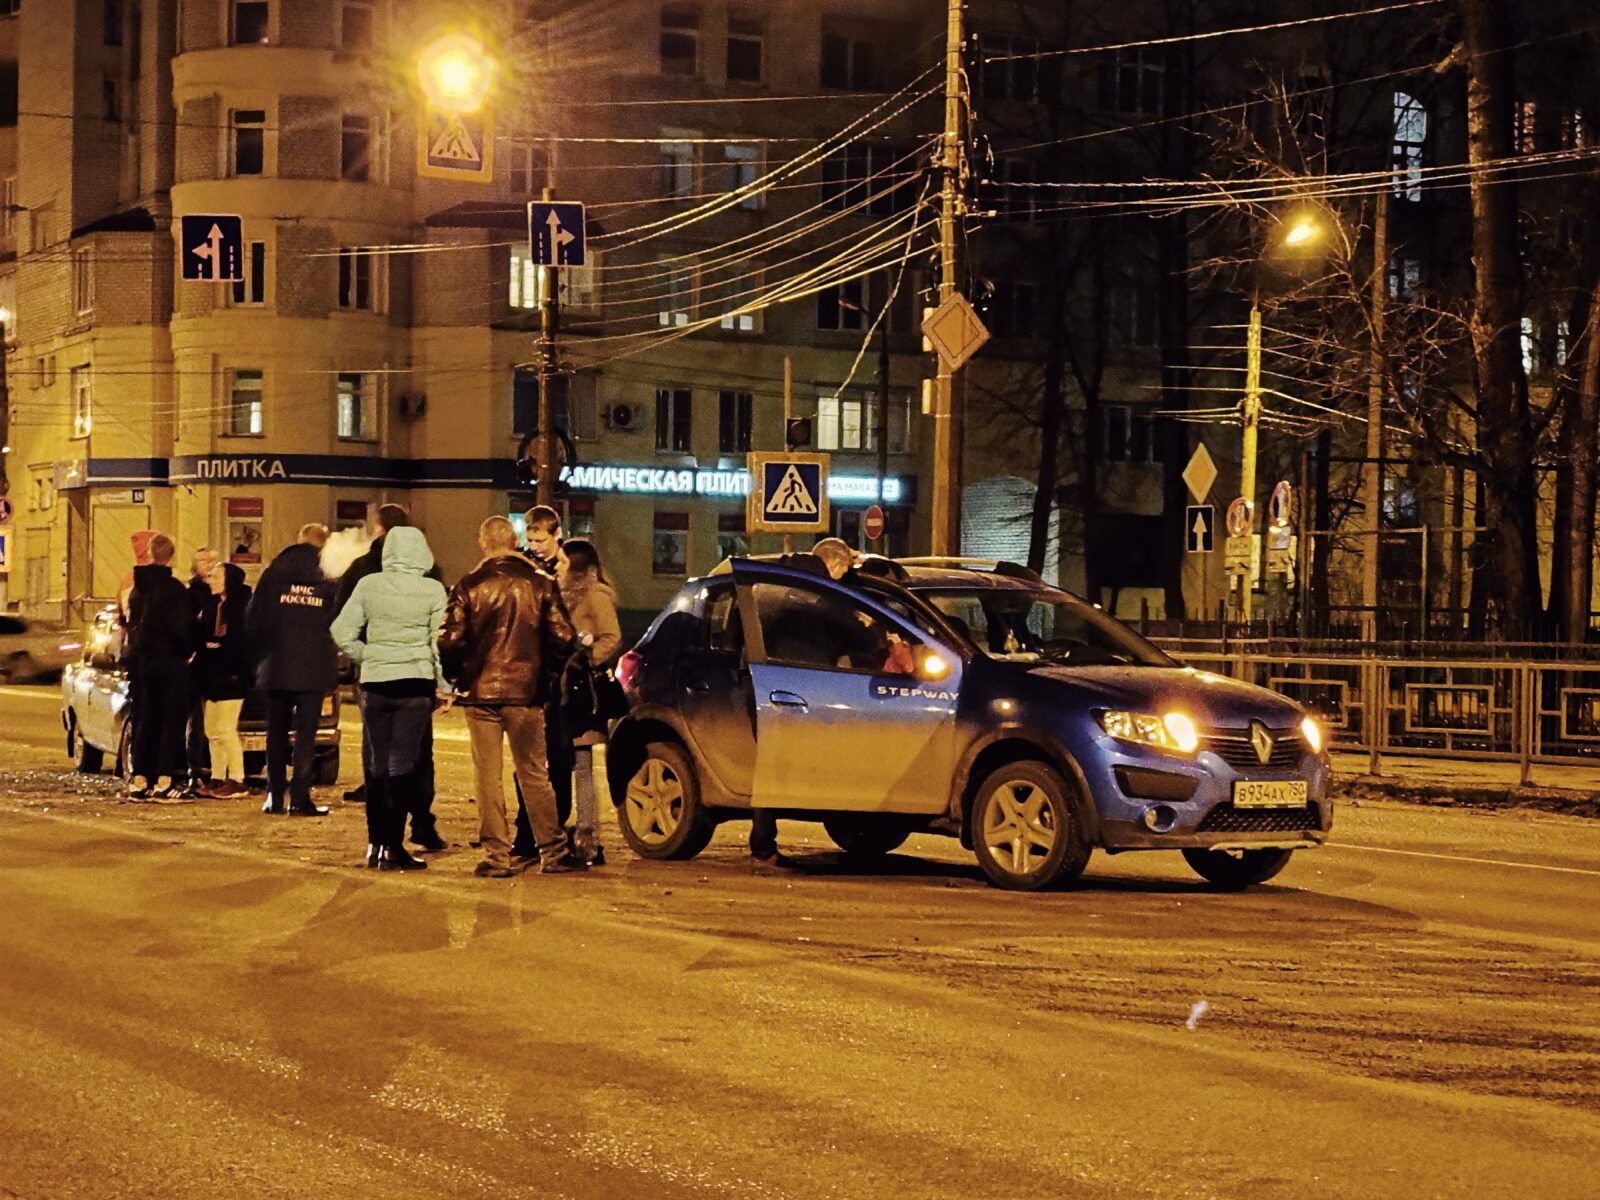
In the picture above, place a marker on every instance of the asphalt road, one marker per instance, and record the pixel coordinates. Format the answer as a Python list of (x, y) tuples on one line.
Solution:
[(197, 999)]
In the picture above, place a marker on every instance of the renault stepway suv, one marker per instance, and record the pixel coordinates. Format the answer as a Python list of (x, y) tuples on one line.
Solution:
[(956, 697)]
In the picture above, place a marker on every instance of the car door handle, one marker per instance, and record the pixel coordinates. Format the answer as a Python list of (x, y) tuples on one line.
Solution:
[(697, 685), (788, 700)]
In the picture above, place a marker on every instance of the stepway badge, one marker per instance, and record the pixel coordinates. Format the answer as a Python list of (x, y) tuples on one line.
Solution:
[(789, 493)]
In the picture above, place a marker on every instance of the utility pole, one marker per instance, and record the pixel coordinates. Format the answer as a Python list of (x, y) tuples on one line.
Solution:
[(1251, 420), (947, 430), (1372, 466), (5, 410), (549, 317), (788, 415), (881, 432)]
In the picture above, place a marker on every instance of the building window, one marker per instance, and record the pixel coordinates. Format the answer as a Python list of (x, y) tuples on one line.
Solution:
[(249, 140), (358, 282), (732, 540), (744, 47), (82, 405), (1133, 315), (1015, 199), (1128, 435), (45, 370), (529, 170), (1132, 81), (82, 282), (1018, 68), (250, 22), (110, 100), (674, 420), (244, 404), (848, 63), (843, 306), (112, 20), (1011, 309), (741, 169), (1410, 133), (252, 289), (680, 40), (677, 170), (849, 422), (676, 305), (355, 147), (737, 297), (737, 415), (524, 289), (878, 178), (669, 547), (1405, 277), (357, 408), (356, 27), (8, 207)]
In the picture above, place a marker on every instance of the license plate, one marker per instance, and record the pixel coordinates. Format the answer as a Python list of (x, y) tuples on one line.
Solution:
[(1269, 793), (254, 741)]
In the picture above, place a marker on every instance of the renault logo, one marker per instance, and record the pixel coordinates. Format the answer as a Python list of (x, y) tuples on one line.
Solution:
[(1262, 741)]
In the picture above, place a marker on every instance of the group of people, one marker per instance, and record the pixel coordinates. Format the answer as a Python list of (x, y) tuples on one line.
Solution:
[(518, 643)]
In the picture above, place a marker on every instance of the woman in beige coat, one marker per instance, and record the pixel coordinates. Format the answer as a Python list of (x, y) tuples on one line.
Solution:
[(592, 604)]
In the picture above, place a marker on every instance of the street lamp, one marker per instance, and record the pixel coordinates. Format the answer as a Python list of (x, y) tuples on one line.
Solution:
[(1300, 233), (455, 73)]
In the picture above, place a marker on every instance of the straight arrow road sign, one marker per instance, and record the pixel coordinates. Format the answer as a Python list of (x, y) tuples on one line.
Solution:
[(556, 233), (1200, 528), (212, 247)]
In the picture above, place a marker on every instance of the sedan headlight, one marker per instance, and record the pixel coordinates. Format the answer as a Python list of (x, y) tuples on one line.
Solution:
[(1312, 733), (1168, 731)]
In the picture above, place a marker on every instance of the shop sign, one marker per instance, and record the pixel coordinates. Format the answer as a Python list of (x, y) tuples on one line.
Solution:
[(712, 483), (244, 515)]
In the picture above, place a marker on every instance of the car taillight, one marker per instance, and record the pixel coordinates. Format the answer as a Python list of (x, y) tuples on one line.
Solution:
[(628, 668)]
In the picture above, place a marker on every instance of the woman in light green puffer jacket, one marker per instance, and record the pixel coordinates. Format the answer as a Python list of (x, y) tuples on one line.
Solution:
[(390, 628)]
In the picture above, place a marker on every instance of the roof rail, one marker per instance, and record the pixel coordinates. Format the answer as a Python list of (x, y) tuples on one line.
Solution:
[(994, 566)]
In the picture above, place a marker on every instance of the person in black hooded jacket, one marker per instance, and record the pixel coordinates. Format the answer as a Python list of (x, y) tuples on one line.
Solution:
[(157, 651), (288, 622), (222, 674)]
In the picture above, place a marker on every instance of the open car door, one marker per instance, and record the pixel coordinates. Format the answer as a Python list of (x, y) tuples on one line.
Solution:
[(855, 708)]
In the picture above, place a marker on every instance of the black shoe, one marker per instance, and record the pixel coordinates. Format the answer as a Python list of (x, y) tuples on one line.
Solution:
[(356, 795), (567, 864), (431, 842), (530, 853), (374, 855), (307, 810), (489, 870), (597, 857), (274, 806), (394, 858)]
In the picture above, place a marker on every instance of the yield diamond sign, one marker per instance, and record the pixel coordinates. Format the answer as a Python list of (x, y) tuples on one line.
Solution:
[(212, 247), (1200, 474), (1200, 528), (455, 145), (788, 493), (956, 331), (556, 233)]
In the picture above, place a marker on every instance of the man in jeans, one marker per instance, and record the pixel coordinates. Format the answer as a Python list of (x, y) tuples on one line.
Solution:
[(288, 622), (505, 634)]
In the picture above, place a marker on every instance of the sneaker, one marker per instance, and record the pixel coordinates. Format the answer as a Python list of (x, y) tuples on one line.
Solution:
[(567, 864), (764, 863), (163, 787), (489, 870), (139, 788)]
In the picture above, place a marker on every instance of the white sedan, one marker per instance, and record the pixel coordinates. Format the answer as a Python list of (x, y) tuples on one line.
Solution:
[(30, 650)]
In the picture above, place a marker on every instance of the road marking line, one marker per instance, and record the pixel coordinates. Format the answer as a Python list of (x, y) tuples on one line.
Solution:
[(28, 693), (1487, 862)]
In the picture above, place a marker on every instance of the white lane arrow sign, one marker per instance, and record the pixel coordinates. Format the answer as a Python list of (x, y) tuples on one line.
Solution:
[(211, 248), (559, 237)]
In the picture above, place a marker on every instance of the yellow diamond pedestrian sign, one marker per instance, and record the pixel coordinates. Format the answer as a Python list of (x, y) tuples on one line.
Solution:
[(456, 145), (788, 493), (956, 331)]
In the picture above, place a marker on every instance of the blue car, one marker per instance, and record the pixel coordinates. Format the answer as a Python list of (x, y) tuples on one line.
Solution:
[(955, 697)]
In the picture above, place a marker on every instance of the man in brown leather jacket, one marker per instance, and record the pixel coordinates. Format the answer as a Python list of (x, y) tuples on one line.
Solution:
[(506, 636)]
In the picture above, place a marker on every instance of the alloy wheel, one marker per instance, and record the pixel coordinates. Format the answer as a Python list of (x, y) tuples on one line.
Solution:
[(654, 802)]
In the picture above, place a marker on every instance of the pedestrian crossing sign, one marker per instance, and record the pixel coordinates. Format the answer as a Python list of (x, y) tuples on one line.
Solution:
[(788, 493), (456, 145)]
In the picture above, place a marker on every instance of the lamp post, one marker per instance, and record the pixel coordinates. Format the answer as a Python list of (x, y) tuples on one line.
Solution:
[(1300, 234)]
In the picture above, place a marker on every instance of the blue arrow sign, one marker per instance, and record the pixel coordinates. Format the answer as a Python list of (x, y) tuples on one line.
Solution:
[(556, 233), (5, 551), (213, 248), (1199, 528)]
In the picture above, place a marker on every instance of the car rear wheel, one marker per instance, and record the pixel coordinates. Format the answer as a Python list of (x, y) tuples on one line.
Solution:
[(866, 836), (1025, 831), (327, 770), (85, 757), (20, 668), (661, 816), (1235, 869), (124, 760)]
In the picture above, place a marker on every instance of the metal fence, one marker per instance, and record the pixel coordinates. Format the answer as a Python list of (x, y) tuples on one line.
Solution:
[(1492, 710)]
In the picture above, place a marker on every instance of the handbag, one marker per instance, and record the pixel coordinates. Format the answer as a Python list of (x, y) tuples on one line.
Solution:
[(590, 699)]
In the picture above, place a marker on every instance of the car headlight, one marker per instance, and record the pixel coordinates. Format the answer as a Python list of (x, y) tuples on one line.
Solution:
[(1312, 733), (1166, 731)]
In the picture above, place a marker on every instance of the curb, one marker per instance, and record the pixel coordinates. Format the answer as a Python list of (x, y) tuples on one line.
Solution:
[(1565, 801)]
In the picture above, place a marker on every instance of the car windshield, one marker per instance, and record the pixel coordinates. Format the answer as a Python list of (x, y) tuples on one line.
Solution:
[(1042, 624)]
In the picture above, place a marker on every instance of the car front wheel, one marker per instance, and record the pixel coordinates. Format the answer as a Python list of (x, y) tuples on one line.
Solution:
[(660, 815), (1024, 830), (1235, 869)]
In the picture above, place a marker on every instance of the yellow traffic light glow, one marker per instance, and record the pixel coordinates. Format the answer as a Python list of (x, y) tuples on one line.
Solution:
[(455, 73)]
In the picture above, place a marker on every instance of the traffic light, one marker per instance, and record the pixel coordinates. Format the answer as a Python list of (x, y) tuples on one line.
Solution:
[(797, 433)]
